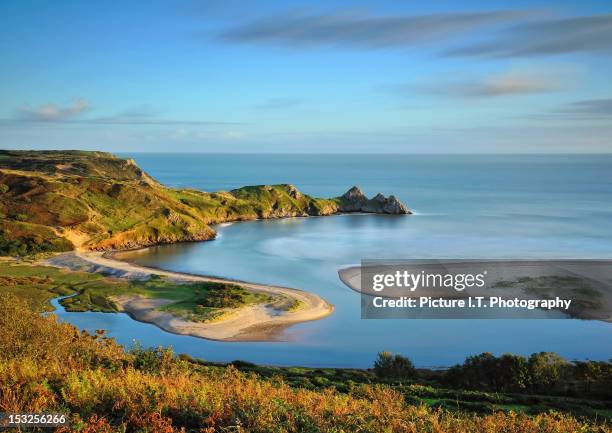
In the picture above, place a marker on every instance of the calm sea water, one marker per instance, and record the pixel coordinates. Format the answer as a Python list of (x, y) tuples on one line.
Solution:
[(479, 206)]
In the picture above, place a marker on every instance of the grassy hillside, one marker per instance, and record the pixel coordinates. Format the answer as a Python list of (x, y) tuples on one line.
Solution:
[(51, 367), (59, 200)]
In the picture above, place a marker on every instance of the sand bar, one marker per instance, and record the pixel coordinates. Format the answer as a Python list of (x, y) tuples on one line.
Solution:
[(257, 322)]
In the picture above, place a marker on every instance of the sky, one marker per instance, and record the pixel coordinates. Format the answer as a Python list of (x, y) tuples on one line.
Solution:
[(307, 76)]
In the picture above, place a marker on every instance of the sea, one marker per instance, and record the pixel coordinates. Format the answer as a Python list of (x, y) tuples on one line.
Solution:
[(465, 206)]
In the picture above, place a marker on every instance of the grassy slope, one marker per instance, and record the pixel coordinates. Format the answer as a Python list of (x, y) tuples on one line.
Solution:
[(53, 201), (430, 392), (50, 367)]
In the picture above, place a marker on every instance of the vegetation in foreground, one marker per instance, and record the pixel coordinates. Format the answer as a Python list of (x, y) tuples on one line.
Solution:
[(199, 302), (483, 384), (50, 367)]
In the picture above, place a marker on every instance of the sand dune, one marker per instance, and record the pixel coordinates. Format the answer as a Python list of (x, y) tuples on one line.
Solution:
[(252, 323)]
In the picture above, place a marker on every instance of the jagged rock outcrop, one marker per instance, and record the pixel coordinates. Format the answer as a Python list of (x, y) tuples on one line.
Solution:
[(293, 192), (354, 200)]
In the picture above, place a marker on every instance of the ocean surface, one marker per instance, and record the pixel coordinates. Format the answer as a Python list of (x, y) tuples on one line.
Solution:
[(476, 206)]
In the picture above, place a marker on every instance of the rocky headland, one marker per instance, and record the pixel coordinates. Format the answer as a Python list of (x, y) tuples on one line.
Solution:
[(66, 200), (354, 200)]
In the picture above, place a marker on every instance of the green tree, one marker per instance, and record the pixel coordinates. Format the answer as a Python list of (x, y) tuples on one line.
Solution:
[(394, 366), (486, 371), (546, 369), (595, 376), (512, 372), (479, 371)]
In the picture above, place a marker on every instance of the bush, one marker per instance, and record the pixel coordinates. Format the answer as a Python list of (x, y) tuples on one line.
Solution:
[(151, 360), (543, 373), (26, 335), (485, 371), (545, 369), (396, 366), (17, 245)]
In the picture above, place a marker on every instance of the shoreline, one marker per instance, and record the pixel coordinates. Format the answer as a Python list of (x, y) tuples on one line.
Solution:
[(251, 323)]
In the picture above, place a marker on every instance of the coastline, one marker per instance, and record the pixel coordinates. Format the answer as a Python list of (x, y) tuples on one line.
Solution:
[(251, 323)]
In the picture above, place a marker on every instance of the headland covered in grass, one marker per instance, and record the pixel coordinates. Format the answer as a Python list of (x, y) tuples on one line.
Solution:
[(57, 201), (64, 200), (46, 366)]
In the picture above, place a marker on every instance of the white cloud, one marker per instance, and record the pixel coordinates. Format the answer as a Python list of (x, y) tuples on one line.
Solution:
[(54, 113)]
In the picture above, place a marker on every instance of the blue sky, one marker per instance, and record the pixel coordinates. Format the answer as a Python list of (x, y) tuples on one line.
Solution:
[(291, 76)]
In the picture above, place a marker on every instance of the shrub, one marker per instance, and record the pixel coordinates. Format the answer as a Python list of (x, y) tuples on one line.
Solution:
[(395, 366), (545, 369), (151, 360)]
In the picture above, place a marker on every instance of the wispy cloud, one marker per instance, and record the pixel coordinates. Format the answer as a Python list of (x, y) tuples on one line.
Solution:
[(53, 112), (506, 84), (72, 114), (588, 108), (546, 37), (365, 31), (122, 120), (510, 33)]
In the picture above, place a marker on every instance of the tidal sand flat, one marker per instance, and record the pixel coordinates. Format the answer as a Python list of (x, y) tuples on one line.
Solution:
[(254, 322)]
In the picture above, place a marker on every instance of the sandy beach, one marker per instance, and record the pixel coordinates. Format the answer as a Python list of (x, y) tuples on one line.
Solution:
[(252, 323)]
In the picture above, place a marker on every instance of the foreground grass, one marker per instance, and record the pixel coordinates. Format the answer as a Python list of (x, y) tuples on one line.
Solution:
[(429, 390), (200, 301), (46, 366)]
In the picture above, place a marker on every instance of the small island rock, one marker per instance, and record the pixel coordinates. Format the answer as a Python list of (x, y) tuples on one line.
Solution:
[(354, 200)]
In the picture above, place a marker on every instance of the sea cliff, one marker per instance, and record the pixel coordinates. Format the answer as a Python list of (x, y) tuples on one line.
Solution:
[(64, 200)]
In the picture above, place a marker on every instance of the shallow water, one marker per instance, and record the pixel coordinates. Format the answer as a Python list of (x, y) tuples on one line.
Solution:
[(466, 207)]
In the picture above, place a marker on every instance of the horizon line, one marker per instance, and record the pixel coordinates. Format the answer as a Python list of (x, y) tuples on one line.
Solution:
[(309, 153)]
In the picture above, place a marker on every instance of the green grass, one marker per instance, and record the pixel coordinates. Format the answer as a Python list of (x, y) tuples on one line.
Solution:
[(426, 391), (199, 301), (118, 206), (295, 305), (58, 282), (210, 301)]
